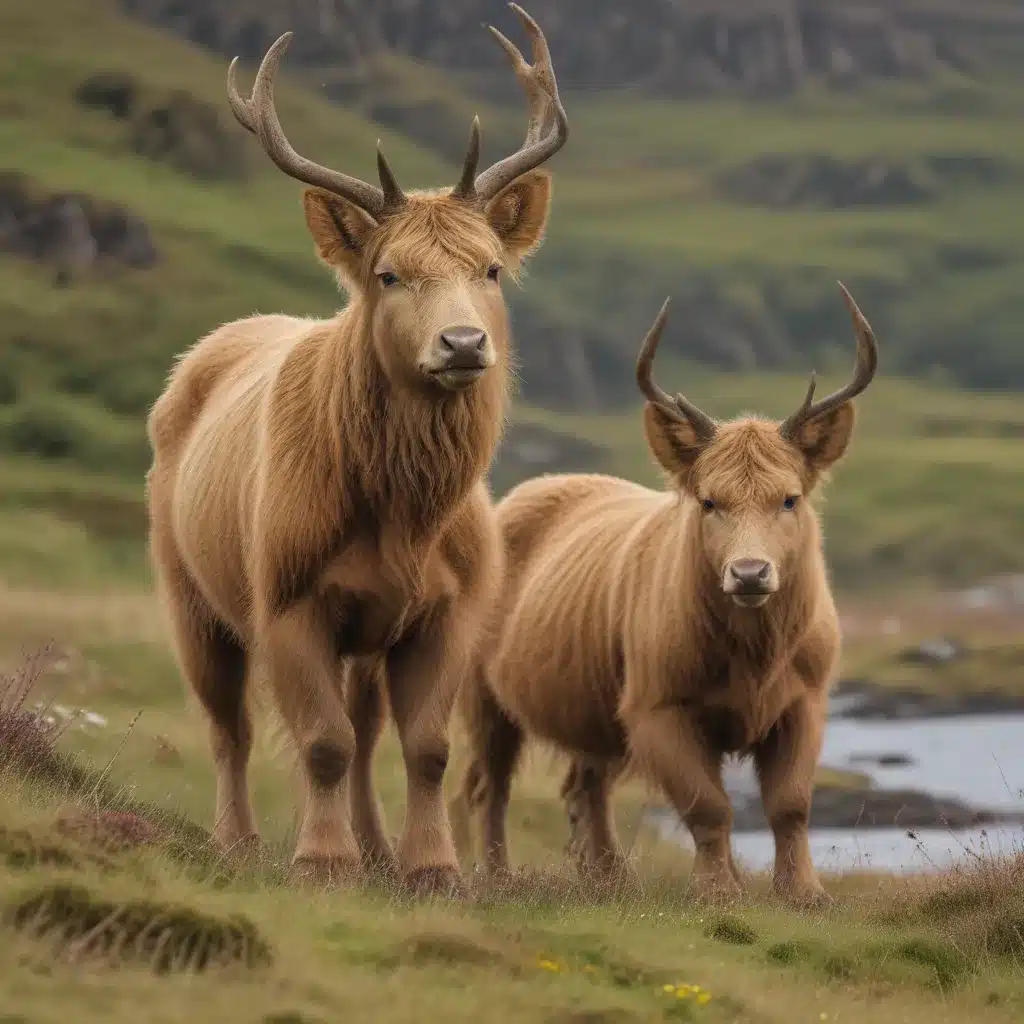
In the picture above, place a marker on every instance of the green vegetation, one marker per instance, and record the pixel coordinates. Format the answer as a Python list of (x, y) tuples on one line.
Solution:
[(109, 892)]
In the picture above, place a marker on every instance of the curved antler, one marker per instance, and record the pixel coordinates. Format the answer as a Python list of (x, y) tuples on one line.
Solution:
[(546, 132), (259, 115), (864, 371), (678, 408)]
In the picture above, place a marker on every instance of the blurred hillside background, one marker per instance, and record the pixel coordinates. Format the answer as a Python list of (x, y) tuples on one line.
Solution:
[(739, 155)]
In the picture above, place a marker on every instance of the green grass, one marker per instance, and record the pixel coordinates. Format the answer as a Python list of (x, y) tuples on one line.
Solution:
[(112, 898)]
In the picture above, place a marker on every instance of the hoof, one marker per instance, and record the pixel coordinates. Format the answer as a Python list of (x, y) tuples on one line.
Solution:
[(716, 888), (324, 872), (810, 896), (437, 881)]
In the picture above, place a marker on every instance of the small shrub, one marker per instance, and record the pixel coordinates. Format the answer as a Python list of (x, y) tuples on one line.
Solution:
[(116, 92), (731, 930), (789, 952)]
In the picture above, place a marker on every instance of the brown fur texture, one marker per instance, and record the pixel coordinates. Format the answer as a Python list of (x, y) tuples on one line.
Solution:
[(617, 641), (318, 509)]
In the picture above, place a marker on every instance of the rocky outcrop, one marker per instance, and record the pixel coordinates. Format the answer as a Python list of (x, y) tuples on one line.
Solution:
[(70, 231), (176, 129), (673, 47), (819, 181)]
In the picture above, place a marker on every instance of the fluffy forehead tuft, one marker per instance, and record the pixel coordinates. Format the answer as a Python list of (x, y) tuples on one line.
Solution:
[(748, 463), (436, 237)]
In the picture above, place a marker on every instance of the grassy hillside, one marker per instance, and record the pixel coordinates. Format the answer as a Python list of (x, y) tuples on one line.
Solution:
[(111, 896), (647, 205)]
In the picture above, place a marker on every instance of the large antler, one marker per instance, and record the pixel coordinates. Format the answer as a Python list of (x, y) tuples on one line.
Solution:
[(546, 132), (864, 371), (678, 408), (259, 115)]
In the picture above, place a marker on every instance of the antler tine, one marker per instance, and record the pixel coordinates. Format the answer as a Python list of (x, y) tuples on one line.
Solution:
[(548, 128), (394, 197), (258, 115), (679, 408), (465, 187), (241, 108), (864, 372)]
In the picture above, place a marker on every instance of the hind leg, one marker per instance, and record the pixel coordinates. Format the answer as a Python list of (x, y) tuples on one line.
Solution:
[(497, 743), (367, 710), (586, 792), (214, 663)]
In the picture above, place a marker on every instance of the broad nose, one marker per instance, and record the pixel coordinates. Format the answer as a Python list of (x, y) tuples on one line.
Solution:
[(463, 346), (752, 574)]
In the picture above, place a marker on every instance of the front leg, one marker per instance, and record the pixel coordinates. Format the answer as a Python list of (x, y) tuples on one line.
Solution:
[(364, 691), (302, 667), (425, 670), (786, 762), (669, 748)]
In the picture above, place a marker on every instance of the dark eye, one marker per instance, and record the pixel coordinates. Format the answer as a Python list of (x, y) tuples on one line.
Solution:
[(790, 503), (493, 271), (388, 279), (708, 505)]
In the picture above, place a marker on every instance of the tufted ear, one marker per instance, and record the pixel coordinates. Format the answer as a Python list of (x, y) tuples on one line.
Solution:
[(519, 212), (674, 443), (340, 230), (823, 441)]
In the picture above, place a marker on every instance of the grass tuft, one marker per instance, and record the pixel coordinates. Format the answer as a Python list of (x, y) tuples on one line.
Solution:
[(732, 930), (165, 937)]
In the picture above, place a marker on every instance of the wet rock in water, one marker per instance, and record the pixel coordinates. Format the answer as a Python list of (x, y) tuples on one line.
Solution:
[(835, 807), (859, 699), (938, 651), (884, 760)]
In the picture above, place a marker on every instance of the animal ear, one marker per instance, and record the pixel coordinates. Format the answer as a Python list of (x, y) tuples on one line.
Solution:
[(675, 443), (519, 212), (823, 440), (339, 229)]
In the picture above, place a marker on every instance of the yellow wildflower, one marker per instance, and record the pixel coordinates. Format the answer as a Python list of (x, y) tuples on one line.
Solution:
[(669, 989), (704, 998)]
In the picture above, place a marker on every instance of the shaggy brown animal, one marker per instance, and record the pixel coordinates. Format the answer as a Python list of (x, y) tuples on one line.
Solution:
[(316, 499), (661, 631)]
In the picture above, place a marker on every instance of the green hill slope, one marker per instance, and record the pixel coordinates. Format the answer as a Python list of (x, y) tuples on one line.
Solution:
[(745, 213)]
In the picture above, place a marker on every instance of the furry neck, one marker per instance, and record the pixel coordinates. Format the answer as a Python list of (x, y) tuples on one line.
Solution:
[(408, 457)]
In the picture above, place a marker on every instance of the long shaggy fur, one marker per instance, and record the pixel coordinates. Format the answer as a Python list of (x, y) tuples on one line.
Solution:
[(318, 506), (614, 642)]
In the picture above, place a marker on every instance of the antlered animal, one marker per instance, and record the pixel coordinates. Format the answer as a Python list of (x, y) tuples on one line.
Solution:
[(660, 631), (316, 499)]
